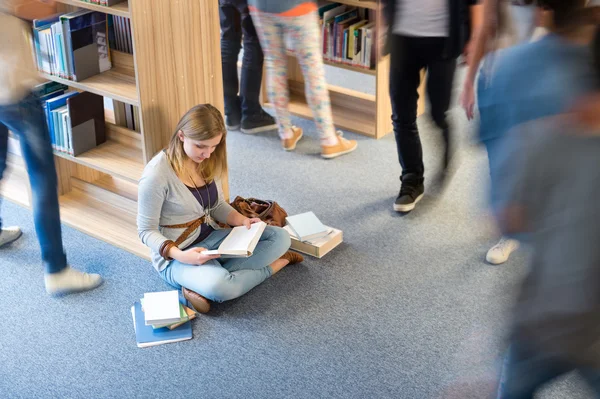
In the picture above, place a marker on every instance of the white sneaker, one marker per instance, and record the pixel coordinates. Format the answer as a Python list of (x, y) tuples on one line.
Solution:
[(70, 280), (500, 252), (9, 234)]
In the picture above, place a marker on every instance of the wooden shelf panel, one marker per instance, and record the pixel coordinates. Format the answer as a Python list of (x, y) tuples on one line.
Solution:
[(15, 182), (103, 215), (345, 118), (371, 4), (373, 72), (120, 9), (114, 83), (112, 158)]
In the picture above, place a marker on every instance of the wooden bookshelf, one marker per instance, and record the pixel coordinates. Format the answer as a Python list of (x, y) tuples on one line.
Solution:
[(353, 68), (15, 182), (167, 74), (113, 84), (119, 10), (112, 158), (108, 216), (370, 4)]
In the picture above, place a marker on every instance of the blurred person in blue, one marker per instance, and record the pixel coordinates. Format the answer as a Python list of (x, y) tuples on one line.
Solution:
[(548, 188), (22, 113), (526, 82)]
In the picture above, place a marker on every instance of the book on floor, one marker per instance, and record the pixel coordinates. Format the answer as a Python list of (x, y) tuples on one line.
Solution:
[(161, 307), (241, 242), (146, 336), (307, 226), (185, 314), (318, 247)]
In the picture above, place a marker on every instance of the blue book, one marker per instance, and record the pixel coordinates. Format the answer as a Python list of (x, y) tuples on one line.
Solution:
[(53, 104), (306, 226), (146, 336)]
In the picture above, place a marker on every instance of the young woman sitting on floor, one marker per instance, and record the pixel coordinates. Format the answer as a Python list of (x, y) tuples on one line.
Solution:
[(180, 203)]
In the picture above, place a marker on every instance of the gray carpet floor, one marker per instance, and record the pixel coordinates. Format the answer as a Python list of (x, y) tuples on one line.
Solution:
[(404, 308)]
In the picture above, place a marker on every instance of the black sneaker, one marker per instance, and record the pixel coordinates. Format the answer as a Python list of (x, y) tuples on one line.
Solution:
[(411, 192), (260, 122), (232, 123)]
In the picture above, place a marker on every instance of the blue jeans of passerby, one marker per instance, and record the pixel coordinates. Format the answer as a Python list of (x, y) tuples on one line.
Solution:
[(236, 25), (26, 120), (223, 279), (527, 370)]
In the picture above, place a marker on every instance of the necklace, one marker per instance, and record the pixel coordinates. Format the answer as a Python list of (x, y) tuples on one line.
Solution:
[(206, 209)]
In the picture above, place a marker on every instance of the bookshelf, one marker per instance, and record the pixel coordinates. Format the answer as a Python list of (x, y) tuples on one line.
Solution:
[(167, 74), (352, 110)]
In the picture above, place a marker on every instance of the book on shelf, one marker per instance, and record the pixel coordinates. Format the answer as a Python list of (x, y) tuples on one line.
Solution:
[(348, 34), (147, 336), (306, 226), (318, 247), (72, 46), (240, 242), (75, 120)]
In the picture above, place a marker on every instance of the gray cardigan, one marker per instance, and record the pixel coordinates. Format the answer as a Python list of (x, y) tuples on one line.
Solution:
[(163, 199)]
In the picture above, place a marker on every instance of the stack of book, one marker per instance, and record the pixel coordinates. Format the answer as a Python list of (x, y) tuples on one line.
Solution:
[(310, 236), (72, 46), (159, 318), (75, 120), (348, 35)]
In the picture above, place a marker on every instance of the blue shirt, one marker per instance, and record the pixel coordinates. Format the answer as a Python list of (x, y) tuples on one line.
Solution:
[(531, 81)]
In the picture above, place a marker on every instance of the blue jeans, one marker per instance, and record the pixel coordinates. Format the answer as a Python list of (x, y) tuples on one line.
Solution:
[(224, 279), (26, 120), (527, 370), (236, 25)]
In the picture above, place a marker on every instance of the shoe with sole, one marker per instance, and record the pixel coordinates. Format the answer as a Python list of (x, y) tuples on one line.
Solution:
[(70, 280), (292, 257), (290, 144), (411, 192), (198, 302), (344, 146), (261, 122), (9, 234), (500, 252), (232, 122)]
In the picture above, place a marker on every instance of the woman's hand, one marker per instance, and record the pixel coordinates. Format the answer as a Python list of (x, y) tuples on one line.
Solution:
[(248, 222), (194, 256), (467, 99)]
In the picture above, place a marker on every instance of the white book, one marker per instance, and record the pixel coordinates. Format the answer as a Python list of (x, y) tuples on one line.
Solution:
[(161, 307), (241, 242), (307, 226)]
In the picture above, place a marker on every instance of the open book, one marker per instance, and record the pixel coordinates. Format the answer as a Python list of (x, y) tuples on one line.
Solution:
[(240, 243)]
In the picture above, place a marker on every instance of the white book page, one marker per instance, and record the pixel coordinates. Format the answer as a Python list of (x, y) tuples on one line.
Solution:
[(241, 240)]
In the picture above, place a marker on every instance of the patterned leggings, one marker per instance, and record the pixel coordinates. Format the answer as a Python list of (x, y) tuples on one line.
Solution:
[(306, 39)]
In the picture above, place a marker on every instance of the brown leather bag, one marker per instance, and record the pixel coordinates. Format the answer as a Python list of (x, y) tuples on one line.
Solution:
[(268, 211)]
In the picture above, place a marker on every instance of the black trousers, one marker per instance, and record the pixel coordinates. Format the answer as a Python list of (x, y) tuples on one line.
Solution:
[(236, 25), (409, 55)]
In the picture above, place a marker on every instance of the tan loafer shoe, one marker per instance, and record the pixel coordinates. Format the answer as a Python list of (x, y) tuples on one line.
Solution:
[(292, 257), (343, 146), (290, 144), (198, 302)]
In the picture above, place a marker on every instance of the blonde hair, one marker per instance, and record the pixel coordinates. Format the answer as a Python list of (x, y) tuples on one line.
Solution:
[(202, 122)]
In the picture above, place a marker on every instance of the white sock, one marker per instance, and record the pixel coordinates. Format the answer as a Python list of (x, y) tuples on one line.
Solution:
[(70, 280)]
